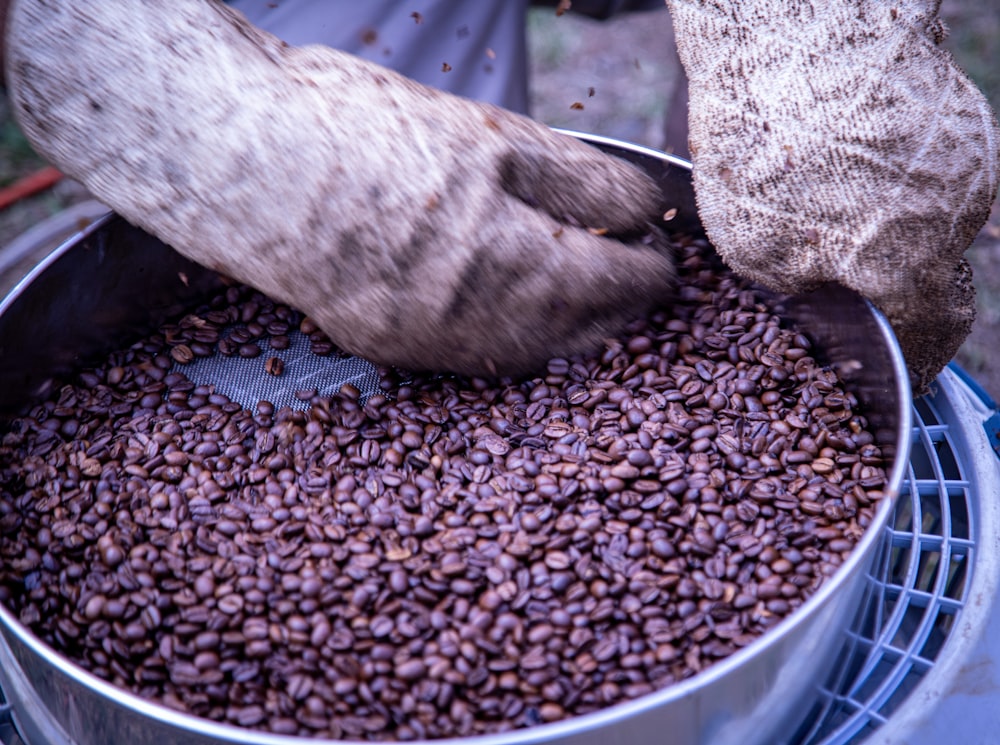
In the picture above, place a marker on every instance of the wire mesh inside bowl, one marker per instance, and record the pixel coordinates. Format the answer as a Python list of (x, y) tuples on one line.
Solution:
[(246, 381)]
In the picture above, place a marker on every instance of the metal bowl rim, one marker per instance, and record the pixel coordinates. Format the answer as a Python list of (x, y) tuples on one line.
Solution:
[(543, 732)]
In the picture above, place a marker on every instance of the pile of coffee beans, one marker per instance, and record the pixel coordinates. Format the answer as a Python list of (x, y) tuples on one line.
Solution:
[(454, 557)]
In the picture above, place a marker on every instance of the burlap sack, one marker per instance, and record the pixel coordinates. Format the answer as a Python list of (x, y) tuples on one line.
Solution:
[(418, 229), (836, 141)]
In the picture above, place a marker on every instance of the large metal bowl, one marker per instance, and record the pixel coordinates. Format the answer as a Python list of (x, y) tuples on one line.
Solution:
[(111, 283)]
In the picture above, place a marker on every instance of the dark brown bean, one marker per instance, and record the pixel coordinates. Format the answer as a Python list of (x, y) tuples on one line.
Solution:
[(248, 350)]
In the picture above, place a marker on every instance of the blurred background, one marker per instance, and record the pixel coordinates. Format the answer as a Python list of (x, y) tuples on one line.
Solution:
[(614, 78)]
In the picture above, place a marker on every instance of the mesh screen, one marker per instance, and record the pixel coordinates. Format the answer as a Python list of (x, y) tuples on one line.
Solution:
[(248, 382)]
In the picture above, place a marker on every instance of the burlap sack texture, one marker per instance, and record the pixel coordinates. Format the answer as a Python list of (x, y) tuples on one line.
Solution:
[(417, 228), (836, 141)]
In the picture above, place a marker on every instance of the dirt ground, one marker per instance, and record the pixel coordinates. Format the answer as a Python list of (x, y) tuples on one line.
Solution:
[(616, 78)]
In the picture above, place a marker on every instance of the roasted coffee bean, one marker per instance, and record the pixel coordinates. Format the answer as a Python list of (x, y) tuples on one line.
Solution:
[(451, 557), (249, 349), (182, 354), (280, 341)]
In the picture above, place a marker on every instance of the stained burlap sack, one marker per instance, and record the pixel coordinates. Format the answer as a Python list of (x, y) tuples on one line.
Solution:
[(836, 141), (417, 228)]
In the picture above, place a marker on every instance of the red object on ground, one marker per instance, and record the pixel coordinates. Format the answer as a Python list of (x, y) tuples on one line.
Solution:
[(29, 185)]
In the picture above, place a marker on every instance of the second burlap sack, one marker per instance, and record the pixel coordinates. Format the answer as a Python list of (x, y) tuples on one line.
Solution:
[(838, 142)]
